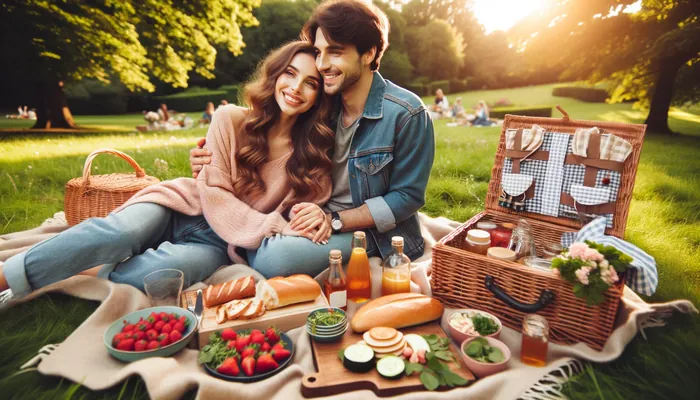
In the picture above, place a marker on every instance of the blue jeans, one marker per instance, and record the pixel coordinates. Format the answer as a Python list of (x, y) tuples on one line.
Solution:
[(140, 239), (288, 255)]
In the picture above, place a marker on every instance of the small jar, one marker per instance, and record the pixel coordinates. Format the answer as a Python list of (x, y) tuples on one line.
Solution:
[(487, 226), (537, 263), (501, 253), (478, 241), (500, 236), (535, 340), (551, 250)]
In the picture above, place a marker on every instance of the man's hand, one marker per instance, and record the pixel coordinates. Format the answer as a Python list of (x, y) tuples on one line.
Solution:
[(309, 217), (199, 157)]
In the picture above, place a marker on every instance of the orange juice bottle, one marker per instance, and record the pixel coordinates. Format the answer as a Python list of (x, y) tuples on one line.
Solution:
[(396, 270), (335, 287), (359, 280)]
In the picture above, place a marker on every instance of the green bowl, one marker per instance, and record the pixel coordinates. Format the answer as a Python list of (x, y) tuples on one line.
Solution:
[(327, 339), (328, 327), (130, 356), (327, 332)]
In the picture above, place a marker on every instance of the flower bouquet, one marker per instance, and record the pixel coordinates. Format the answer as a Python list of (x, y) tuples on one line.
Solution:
[(592, 268)]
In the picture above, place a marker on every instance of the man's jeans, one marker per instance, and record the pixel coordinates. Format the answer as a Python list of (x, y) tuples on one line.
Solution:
[(141, 239)]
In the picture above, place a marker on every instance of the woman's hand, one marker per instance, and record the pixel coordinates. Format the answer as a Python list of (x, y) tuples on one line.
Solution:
[(309, 217), (199, 157), (314, 235)]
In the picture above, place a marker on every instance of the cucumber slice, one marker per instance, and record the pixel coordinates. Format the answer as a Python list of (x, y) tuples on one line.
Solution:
[(358, 358), (391, 367)]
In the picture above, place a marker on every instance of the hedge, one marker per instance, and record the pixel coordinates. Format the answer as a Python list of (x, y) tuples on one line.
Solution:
[(587, 94), (536, 111), (192, 101), (232, 93), (459, 85), (417, 88)]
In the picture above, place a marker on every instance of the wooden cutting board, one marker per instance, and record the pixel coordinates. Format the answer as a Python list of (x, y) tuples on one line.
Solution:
[(333, 378), (284, 318)]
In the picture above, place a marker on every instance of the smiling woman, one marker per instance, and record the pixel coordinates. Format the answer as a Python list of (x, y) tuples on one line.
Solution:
[(501, 15)]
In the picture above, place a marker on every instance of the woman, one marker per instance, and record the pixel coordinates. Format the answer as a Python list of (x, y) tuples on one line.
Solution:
[(265, 160), (207, 114), (482, 115)]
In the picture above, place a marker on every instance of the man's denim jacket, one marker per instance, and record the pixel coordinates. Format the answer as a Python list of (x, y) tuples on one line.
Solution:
[(389, 164)]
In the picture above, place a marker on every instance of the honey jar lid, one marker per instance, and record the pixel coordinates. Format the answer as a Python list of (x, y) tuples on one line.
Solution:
[(501, 253), (485, 225), (478, 236)]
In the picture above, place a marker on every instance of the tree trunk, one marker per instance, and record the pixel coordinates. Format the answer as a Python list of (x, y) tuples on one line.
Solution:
[(657, 120), (52, 108)]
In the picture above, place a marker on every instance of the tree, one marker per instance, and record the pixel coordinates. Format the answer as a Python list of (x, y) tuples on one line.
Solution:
[(47, 43), (436, 50), (649, 55)]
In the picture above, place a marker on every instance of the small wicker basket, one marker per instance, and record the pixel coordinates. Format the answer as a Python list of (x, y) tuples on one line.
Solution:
[(97, 195)]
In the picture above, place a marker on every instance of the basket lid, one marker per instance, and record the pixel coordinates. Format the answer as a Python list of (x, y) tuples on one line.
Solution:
[(633, 133)]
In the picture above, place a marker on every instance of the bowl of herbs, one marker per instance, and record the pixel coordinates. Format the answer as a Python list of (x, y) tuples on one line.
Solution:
[(469, 323), (327, 324)]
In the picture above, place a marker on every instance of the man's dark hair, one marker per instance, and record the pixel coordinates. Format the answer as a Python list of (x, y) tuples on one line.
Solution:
[(356, 22)]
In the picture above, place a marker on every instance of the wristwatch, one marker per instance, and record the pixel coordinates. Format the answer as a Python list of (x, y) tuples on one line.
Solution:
[(336, 222)]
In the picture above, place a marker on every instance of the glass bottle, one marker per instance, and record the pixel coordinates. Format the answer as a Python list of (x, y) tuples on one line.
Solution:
[(396, 269), (335, 287), (533, 349), (359, 279), (522, 241)]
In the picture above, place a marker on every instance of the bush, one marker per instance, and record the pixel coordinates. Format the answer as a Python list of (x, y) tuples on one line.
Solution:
[(435, 85), (417, 88), (535, 111), (459, 85), (94, 97), (232, 93), (397, 67), (191, 101), (588, 94)]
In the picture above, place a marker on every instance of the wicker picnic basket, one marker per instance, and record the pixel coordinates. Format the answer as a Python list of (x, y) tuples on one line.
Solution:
[(97, 195), (462, 279)]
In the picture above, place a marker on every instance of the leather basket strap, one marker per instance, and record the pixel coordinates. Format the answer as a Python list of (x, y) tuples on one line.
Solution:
[(593, 153), (605, 208)]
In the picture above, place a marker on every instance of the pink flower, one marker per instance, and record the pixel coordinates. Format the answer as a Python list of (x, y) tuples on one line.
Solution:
[(578, 249), (582, 274), (609, 275), (592, 255)]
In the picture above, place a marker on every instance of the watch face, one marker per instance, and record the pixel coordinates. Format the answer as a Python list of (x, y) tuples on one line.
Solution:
[(336, 224)]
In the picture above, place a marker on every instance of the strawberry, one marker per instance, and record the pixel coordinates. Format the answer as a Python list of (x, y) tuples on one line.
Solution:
[(265, 363), (250, 350), (140, 345), (179, 326), (164, 316), (159, 325), (175, 336), (126, 345), (229, 367), (128, 327), (143, 326), (152, 334), (118, 338), (280, 354), (272, 335), (138, 335), (182, 319), (153, 318), (255, 332), (152, 345), (265, 348), (279, 346), (228, 334), (231, 344), (163, 339), (248, 366), (167, 328), (257, 338), (241, 342)]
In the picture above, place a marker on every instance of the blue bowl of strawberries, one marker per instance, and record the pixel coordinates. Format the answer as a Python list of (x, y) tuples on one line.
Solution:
[(151, 332), (246, 355)]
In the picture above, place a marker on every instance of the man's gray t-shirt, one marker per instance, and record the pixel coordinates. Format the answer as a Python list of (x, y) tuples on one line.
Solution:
[(341, 199)]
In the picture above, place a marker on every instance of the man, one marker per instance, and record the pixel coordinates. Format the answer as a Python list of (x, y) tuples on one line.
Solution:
[(383, 153)]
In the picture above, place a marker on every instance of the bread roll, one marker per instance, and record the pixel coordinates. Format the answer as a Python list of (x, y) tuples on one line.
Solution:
[(396, 311), (279, 292), (231, 290)]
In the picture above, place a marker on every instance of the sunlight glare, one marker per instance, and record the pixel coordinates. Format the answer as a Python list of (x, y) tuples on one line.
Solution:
[(501, 15)]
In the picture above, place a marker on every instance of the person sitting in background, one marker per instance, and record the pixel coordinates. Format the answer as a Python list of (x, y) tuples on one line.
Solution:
[(224, 102), (163, 113), (458, 109), (482, 115), (441, 108), (207, 114), (31, 114)]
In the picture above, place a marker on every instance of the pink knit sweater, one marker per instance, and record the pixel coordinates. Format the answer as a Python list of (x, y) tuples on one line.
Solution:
[(241, 221)]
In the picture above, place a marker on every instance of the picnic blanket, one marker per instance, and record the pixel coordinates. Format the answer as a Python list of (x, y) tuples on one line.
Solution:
[(83, 358)]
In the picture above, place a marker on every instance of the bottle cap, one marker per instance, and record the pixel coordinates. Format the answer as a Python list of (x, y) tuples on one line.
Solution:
[(359, 234), (336, 254), (486, 225), (501, 253), (478, 236), (397, 240)]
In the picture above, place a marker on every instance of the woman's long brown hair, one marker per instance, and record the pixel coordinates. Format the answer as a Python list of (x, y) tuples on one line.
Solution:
[(312, 139)]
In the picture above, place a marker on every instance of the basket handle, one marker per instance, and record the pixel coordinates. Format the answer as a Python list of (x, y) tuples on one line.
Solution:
[(140, 173), (546, 297)]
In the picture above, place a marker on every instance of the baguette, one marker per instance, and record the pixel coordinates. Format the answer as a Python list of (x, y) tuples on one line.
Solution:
[(280, 292), (397, 311), (255, 309), (227, 291), (236, 308)]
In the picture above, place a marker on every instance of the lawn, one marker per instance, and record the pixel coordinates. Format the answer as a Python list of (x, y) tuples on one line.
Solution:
[(114, 123), (664, 219)]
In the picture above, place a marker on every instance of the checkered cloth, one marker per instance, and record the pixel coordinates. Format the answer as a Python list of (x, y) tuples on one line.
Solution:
[(532, 138), (611, 147), (642, 278), (516, 184)]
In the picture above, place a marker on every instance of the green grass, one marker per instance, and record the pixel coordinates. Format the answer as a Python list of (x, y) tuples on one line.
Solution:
[(664, 220), (126, 122)]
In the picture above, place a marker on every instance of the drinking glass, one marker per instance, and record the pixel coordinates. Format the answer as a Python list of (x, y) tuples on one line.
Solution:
[(163, 287)]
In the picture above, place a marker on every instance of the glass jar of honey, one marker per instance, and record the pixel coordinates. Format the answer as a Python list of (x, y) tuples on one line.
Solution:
[(478, 241), (500, 235), (533, 350)]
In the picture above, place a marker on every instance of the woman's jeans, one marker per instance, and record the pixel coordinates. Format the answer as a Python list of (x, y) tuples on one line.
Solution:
[(132, 243)]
